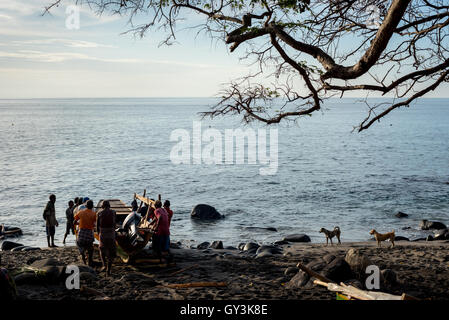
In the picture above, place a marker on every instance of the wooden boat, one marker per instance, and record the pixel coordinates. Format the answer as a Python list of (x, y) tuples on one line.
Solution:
[(128, 247)]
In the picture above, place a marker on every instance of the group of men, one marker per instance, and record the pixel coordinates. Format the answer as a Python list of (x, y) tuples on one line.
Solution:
[(80, 212)]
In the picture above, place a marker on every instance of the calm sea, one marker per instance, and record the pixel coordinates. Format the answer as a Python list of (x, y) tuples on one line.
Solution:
[(327, 175)]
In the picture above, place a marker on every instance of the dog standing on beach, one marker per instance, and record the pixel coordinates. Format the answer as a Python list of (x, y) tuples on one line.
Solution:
[(382, 237), (330, 234)]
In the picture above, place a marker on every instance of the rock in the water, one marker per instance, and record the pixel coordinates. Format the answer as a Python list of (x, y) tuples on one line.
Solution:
[(217, 245), (241, 246), (358, 262), (401, 238), (291, 270), (401, 215), (8, 245), (230, 248), (431, 225), (429, 238), (298, 281), (250, 246), (338, 270), (205, 212), (297, 238), (203, 245)]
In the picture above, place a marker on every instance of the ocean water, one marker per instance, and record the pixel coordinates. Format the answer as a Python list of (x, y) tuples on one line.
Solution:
[(327, 175)]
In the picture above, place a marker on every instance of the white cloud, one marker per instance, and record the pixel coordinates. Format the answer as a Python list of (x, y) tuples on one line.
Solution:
[(65, 42)]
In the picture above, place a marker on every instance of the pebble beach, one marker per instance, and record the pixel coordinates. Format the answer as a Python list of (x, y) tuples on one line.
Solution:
[(248, 272)]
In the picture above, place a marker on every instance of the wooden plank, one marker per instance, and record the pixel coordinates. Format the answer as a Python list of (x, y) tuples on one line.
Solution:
[(147, 201)]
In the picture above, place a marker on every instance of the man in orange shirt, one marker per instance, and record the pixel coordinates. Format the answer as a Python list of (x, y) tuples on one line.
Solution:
[(86, 219)]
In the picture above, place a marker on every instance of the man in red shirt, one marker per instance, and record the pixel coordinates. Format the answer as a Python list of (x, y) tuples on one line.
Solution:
[(161, 238)]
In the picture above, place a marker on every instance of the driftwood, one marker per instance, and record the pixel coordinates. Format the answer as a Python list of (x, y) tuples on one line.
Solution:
[(353, 292), (312, 273), (183, 270), (196, 285)]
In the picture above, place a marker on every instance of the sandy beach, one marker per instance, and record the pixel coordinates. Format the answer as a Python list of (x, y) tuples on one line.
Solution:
[(418, 268)]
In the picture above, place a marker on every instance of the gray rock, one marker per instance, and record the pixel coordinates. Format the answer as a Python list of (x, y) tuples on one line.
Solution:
[(18, 248), (389, 277), (297, 238), (431, 225), (328, 258), (31, 249), (230, 248), (241, 246), (401, 215), (205, 212), (8, 245), (281, 242), (429, 238), (298, 281), (203, 245), (250, 246), (87, 276), (263, 254), (46, 262), (338, 270), (217, 245), (270, 249), (316, 265), (291, 270), (357, 262), (27, 278)]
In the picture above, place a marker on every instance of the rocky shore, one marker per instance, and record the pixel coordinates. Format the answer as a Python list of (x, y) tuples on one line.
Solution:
[(248, 272)]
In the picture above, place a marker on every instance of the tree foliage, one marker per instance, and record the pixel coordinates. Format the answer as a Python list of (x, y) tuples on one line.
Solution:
[(311, 50)]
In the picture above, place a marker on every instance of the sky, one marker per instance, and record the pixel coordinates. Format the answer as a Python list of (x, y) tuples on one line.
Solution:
[(41, 58)]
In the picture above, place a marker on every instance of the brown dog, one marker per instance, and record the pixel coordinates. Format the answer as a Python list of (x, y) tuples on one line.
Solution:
[(383, 236), (330, 234)]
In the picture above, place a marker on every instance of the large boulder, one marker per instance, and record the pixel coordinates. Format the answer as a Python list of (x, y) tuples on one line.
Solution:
[(205, 212), (297, 238), (338, 270), (358, 262), (8, 245), (431, 225), (298, 281)]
